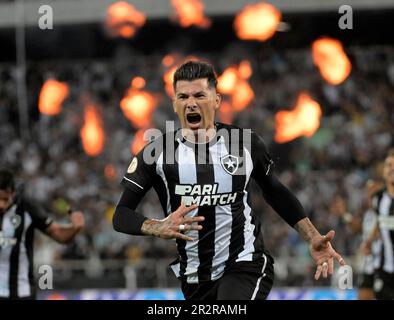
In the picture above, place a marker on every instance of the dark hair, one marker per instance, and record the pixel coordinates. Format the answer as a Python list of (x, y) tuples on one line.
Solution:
[(390, 153), (192, 70), (7, 181)]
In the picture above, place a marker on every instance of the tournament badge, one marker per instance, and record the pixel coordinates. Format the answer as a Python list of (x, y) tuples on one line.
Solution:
[(229, 163), (132, 166)]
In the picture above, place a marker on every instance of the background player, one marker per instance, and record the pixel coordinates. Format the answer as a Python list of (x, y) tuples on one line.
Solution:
[(19, 218), (383, 206)]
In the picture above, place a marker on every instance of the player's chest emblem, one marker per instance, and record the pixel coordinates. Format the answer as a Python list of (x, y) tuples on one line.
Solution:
[(230, 163), (15, 220)]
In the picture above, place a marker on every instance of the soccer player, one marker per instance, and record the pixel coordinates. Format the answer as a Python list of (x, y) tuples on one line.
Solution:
[(364, 227), (383, 206), (202, 174), (18, 220), (371, 258)]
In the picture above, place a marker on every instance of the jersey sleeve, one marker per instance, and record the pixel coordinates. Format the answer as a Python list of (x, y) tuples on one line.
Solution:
[(278, 196), (141, 172), (375, 200), (262, 160), (40, 218)]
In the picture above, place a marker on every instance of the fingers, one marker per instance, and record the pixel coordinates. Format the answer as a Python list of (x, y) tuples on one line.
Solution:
[(340, 259), (323, 241), (182, 236), (189, 227), (329, 236), (183, 210), (325, 269), (331, 266), (193, 219), (318, 272)]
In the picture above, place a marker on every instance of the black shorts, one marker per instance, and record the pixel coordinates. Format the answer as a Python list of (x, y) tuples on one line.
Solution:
[(384, 285), (243, 281), (366, 281)]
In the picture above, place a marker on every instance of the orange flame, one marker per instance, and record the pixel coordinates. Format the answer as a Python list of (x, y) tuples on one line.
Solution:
[(123, 19), (168, 60), (242, 95), (92, 132), (52, 96), (138, 107), (245, 70), (138, 83), (233, 81), (257, 22), (331, 59), (191, 12), (226, 112), (303, 120), (228, 80), (168, 78), (110, 171), (138, 142)]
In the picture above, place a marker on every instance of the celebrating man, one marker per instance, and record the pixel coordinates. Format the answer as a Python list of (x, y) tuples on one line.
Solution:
[(203, 179)]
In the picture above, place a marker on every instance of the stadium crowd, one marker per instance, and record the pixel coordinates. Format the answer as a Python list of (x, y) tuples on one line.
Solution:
[(356, 131)]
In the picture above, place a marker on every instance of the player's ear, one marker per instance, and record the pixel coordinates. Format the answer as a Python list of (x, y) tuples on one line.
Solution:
[(218, 99), (173, 101), (173, 104)]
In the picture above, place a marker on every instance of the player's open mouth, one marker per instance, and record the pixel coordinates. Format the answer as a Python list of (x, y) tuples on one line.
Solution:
[(193, 119)]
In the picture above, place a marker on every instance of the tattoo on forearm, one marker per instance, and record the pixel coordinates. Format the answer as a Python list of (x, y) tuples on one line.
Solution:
[(150, 227), (306, 229)]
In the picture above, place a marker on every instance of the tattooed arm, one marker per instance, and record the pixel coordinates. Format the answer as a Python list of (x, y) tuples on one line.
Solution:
[(127, 220), (168, 228), (320, 247), (306, 230)]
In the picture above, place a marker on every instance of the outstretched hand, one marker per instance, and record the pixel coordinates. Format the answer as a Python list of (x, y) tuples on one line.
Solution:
[(174, 224), (77, 220), (324, 254)]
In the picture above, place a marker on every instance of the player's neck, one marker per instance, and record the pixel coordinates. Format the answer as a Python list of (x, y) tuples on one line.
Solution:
[(3, 211), (201, 135), (390, 189)]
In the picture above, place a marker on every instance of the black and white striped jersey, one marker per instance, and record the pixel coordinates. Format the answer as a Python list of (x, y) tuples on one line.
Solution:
[(17, 226), (372, 261), (383, 205), (216, 176)]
